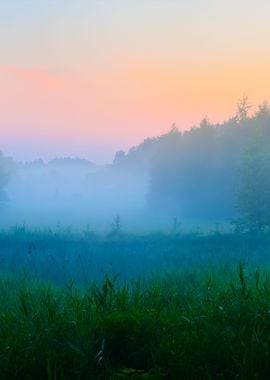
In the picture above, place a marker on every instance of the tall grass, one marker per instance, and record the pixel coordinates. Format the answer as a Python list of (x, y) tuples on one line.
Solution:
[(211, 324)]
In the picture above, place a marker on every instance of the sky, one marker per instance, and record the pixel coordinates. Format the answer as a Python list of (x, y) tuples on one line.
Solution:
[(85, 78)]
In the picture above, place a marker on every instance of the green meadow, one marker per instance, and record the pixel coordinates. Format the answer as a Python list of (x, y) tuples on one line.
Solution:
[(68, 311)]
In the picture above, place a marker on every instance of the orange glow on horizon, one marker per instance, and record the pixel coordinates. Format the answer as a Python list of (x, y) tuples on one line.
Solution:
[(127, 103)]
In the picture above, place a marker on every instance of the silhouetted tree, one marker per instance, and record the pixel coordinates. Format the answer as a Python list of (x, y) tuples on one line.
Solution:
[(243, 108), (116, 228)]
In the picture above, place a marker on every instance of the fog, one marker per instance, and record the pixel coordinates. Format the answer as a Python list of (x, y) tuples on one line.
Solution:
[(194, 179), (168, 243), (73, 193)]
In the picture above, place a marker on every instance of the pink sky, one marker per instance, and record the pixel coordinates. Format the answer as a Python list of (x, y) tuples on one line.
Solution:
[(108, 77), (126, 105)]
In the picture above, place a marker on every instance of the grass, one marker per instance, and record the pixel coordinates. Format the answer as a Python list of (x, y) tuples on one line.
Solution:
[(183, 325), (57, 256), (182, 307)]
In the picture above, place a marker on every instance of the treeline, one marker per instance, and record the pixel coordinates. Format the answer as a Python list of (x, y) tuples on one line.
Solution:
[(197, 173), (212, 172)]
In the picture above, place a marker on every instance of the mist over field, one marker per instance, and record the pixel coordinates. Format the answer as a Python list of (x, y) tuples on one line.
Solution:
[(134, 190), (191, 178), (71, 192), (154, 266)]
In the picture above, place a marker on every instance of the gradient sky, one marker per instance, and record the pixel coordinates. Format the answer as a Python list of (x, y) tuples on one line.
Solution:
[(85, 78)]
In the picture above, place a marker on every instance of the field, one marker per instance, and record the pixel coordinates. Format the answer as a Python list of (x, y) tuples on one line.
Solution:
[(82, 306)]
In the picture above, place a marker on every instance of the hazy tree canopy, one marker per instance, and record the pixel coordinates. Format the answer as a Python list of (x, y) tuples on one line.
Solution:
[(138, 158), (196, 174), (254, 192), (193, 174), (119, 157)]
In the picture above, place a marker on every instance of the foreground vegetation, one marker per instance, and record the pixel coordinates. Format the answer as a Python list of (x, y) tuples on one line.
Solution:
[(159, 306), (183, 325)]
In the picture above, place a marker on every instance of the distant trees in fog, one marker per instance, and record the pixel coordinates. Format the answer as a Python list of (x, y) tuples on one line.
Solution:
[(210, 172), (3, 177), (71, 162), (254, 189), (198, 173)]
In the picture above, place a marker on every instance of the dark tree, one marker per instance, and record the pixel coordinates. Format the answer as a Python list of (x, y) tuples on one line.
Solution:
[(243, 108)]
